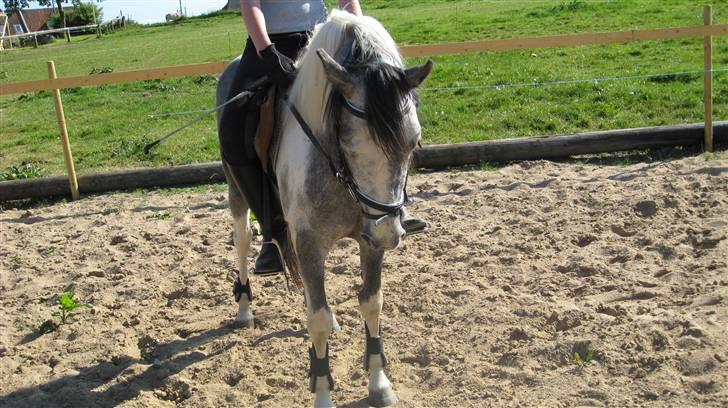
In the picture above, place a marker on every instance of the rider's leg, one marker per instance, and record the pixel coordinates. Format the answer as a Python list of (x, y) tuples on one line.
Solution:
[(244, 171), (239, 154)]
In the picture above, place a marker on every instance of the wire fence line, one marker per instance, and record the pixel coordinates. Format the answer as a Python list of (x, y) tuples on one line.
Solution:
[(240, 35), (475, 4), (574, 81), (515, 85)]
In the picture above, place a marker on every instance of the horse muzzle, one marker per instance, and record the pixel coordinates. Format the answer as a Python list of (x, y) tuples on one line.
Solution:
[(384, 234)]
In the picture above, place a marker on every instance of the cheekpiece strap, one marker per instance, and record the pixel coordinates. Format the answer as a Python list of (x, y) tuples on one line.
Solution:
[(239, 289), (343, 173)]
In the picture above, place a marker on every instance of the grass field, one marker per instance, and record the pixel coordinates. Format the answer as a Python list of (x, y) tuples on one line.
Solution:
[(109, 125)]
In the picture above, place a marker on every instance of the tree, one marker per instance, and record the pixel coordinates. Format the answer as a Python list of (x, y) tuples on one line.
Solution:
[(80, 16)]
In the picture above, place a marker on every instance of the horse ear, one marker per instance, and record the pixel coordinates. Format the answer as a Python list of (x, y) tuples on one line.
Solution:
[(339, 77), (417, 75)]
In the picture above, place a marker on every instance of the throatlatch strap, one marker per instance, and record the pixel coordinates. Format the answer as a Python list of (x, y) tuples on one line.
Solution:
[(375, 345), (239, 289), (319, 368)]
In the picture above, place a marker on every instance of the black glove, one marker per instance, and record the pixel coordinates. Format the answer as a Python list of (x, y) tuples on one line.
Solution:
[(280, 68)]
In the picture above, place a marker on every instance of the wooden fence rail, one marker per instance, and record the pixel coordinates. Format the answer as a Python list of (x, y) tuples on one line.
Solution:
[(706, 31), (53, 31)]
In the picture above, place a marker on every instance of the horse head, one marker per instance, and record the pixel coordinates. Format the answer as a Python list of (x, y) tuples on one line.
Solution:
[(373, 110)]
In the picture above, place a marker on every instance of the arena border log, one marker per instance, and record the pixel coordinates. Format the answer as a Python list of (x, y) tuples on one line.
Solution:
[(433, 156), (552, 147), (114, 180)]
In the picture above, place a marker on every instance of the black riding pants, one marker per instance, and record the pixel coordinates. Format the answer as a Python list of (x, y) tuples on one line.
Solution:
[(237, 126), (233, 146)]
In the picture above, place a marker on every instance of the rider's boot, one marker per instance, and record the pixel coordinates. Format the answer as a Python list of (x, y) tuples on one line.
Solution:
[(411, 224)]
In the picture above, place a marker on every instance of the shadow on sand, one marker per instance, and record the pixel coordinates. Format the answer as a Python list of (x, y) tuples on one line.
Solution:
[(80, 389)]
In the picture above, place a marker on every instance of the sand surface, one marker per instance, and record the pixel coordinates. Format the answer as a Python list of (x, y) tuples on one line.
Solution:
[(523, 268)]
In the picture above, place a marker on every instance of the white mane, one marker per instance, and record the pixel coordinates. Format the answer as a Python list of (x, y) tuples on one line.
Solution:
[(311, 89)]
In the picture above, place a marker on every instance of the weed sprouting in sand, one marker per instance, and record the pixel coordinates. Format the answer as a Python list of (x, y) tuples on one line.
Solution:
[(48, 251), (583, 361), (67, 303), (162, 215)]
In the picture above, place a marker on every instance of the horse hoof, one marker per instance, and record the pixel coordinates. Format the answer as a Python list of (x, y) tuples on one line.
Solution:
[(382, 398), (244, 324), (324, 403)]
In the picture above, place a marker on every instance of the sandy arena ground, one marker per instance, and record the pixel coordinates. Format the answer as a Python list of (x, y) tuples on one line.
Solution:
[(524, 267)]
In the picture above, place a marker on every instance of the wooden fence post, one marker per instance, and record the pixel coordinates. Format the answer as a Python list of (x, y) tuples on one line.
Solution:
[(67, 155), (708, 79)]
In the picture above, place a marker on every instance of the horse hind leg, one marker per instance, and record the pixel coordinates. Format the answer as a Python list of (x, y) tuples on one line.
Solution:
[(380, 389), (242, 236)]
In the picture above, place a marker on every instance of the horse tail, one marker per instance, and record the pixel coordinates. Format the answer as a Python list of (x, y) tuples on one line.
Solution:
[(291, 259)]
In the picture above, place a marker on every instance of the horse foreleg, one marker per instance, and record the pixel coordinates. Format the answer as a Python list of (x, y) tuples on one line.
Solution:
[(321, 322), (242, 236), (370, 306)]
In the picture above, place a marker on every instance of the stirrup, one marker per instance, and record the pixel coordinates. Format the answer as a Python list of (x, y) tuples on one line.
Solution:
[(414, 226)]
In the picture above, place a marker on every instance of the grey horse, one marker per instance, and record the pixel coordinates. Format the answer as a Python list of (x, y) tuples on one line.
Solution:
[(347, 137)]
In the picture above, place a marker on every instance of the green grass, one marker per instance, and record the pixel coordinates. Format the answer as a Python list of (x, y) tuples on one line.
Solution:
[(23, 171), (109, 125)]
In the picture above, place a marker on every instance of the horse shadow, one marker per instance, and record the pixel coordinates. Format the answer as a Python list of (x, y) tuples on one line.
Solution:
[(79, 389), (362, 403), (194, 207), (281, 334), (34, 219), (174, 356)]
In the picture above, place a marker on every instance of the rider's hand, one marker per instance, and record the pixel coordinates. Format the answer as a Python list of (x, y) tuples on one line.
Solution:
[(281, 69)]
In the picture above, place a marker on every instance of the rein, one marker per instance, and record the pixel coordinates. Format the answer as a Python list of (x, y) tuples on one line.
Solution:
[(343, 173)]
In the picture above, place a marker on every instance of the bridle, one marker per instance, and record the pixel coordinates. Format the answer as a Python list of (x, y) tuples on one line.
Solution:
[(343, 172)]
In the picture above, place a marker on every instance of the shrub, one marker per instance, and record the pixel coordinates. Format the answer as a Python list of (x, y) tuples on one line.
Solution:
[(81, 15)]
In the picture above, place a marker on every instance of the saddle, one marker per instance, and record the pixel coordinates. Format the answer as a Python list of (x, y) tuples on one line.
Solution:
[(267, 132)]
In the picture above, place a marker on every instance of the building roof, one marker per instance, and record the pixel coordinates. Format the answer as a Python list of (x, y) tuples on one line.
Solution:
[(31, 19)]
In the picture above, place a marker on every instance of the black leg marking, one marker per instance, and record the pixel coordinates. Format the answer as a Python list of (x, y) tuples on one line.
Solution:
[(311, 265), (371, 270)]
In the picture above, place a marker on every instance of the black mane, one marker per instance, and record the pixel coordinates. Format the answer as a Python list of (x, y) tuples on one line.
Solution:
[(385, 91)]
